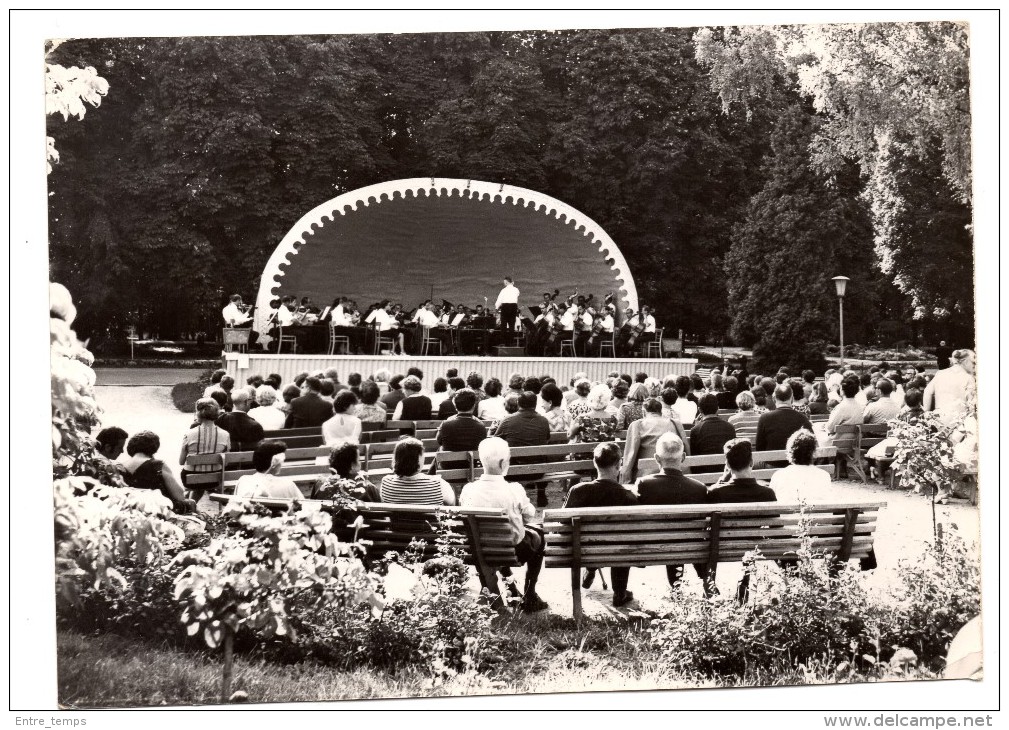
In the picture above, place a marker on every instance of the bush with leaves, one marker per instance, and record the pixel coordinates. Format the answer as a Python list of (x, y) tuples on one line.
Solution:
[(247, 579), (923, 458), (830, 626), (430, 618)]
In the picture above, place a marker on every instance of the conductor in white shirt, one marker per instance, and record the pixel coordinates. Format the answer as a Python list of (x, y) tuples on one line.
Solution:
[(507, 304)]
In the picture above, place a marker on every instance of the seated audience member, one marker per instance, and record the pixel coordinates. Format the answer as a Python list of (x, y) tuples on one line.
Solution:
[(800, 480), (768, 385), (774, 427), (462, 432), (415, 406), (344, 426), (354, 383), (245, 431), (847, 411), (577, 398), (808, 378), (620, 391), (526, 427), (289, 393), (381, 379), (671, 486), (111, 442), (345, 478), (634, 408), (515, 384), (865, 387), (709, 432), (474, 381), (642, 437), (391, 399), (492, 408), (204, 438), (669, 399), (440, 393), (370, 410), (407, 485), (215, 382), (447, 407), (267, 414), (727, 396), (697, 388), (684, 406), (817, 402), (738, 483), (327, 389), (268, 459), (494, 491), (274, 380), (598, 423), (747, 416), (605, 491), (556, 416), (300, 379), (533, 384), (885, 407), (799, 404), (311, 409), (759, 399), (143, 471)]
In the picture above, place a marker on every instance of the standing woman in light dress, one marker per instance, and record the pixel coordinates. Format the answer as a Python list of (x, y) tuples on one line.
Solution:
[(951, 389)]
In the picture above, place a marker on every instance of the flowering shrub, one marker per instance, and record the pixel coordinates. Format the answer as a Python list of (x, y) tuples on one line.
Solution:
[(923, 457), (832, 628)]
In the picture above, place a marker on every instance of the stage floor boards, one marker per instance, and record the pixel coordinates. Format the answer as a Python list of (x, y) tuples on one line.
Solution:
[(240, 366)]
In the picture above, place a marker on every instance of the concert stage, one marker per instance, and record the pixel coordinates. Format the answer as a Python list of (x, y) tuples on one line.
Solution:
[(240, 366)]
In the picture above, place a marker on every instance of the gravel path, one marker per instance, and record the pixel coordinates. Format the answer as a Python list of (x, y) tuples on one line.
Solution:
[(905, 523)]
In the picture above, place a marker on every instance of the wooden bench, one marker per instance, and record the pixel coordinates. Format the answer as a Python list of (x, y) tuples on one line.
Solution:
[(555, 464), (606, 537), (851, 442), (760, 459), (486, 532)]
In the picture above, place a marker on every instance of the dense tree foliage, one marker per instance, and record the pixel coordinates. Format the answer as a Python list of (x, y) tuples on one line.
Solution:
[(173, 193)]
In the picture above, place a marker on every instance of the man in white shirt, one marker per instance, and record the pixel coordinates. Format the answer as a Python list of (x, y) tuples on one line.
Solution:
[(492, 490), (234, 314), (268, 459), (508, 304), (425, 317), (381, 319)]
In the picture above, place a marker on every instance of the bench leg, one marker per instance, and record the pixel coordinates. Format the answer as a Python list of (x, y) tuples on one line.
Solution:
[(488, 580), (576, 592)]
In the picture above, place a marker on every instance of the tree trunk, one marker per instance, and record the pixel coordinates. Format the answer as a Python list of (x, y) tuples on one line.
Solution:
[(229, 660)]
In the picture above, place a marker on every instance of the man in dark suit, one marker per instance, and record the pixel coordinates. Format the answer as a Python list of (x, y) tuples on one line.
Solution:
[(739, 485), (462, 432), (245, 431), (709, 432), (671, 486), (310, 409), (605, 491), (942, 355), (774, 427), (527, 427)]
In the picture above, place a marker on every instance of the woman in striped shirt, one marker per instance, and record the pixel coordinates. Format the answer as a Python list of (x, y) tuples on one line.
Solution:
[(204, 438), (407, 485)]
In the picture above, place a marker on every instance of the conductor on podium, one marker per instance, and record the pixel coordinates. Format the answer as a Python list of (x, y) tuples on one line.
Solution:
[(507, 304)]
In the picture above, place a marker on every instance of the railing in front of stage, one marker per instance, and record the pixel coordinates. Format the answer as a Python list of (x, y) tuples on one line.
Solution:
[(241, 365)]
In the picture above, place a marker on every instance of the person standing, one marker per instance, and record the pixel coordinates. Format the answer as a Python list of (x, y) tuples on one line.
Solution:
[(507, 304), (952, 389)]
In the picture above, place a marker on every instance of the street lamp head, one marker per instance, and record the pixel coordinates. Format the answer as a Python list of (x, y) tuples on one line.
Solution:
[(841, 283)]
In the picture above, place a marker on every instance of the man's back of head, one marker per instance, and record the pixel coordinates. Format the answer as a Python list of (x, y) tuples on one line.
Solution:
[(527, 401), (240, 400), (669, 451), (464, 400), (708, 404), (783, 394), (606, 457), (313, 384), (494, 455), (738, 454)]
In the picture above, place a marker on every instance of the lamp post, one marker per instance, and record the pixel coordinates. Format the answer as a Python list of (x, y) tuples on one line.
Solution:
[(841, 283)]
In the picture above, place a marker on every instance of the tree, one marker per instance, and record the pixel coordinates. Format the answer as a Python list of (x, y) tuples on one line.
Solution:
[(796, 233), (67, 90)]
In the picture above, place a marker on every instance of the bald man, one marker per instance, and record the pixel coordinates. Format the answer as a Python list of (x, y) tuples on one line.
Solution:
[(672, 486)]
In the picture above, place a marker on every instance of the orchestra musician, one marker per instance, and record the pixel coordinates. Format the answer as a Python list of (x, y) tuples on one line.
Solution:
[(425, 317), (237, 314), (384, 323), (626, 335)]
